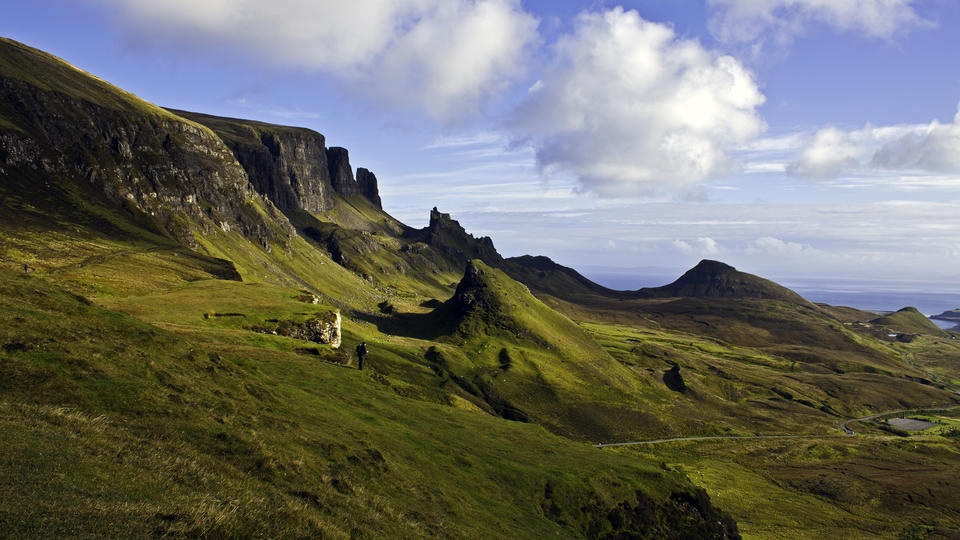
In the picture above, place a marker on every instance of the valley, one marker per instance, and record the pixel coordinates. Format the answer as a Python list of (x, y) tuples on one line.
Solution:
[(182, 296)]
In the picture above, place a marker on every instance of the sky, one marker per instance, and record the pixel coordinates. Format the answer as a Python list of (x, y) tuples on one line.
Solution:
[(795, 139)]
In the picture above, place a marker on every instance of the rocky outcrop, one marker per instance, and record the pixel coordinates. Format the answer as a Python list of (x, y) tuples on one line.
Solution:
[(323, 328), (674, 380), (367, 182), (341, 174), (448, 236)]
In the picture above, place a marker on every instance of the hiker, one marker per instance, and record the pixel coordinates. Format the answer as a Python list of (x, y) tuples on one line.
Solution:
[(26, 269), (361, 355)]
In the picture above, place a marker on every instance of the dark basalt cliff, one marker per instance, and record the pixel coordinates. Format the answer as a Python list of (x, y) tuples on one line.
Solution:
[(291, 166), (341, 174), (288, 165), (177, 175), (713, 279), (367, 183)]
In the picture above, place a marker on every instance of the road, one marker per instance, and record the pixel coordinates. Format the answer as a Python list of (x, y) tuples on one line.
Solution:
[(845, 425), (847, 432)]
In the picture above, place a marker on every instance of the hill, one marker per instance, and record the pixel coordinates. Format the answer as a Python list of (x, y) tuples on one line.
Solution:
[(908, 321), (547, 277), (713, 279), (951, 315)]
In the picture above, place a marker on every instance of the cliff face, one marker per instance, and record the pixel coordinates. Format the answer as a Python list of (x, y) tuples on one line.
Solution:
[(291, 166), (341, 174), (367, 182), (288, 165), (177, 174)]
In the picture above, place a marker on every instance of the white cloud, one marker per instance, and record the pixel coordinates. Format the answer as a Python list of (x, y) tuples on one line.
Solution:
[(703, 245), (926, 148), (829, 152), (444, 57), (629, 107), (780, 21), (769, 245), (935, 148)]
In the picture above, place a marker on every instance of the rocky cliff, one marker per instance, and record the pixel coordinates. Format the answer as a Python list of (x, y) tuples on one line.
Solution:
[(288, 165), (367, 182), (291, 166), (59, 124), (341, 174), (449, 237)]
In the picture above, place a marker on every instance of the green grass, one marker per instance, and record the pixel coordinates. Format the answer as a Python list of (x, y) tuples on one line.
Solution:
[(49, 73), (844, 488), (909, 320), (141, 430)]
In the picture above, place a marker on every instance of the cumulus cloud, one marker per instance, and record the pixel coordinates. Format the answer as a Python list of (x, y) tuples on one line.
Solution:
[(769, 245), (629, 107), (828, 153), (780, 21), (444, 57), (703, 245), (927, 148)]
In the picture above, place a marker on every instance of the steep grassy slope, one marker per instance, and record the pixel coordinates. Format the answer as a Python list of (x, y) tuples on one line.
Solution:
[(112, 424)]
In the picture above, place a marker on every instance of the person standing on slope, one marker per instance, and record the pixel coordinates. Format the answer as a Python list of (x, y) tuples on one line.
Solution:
[(361, 355)]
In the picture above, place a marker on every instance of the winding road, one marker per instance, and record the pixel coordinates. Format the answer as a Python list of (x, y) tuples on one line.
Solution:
[(847, 432)]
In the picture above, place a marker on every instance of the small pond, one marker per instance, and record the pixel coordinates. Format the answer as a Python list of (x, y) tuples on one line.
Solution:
[(911, 424)]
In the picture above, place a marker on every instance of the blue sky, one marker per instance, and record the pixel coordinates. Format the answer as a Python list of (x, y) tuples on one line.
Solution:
[(792, 138)]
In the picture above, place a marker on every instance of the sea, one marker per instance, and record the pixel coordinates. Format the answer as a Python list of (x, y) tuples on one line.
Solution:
[(930, 298)]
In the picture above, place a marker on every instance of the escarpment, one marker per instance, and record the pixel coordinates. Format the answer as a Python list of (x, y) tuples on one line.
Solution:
[(291, 166), (176, 176)]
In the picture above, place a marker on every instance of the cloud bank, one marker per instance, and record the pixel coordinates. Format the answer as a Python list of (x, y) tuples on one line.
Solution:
[(929, 148), (628, 107), (780, 21), (442, 57)]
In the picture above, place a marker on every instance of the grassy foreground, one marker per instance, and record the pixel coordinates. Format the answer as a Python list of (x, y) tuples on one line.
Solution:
[(111, 424)]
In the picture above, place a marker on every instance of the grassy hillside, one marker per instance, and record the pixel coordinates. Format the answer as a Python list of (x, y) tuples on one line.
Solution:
[(908, 321), (142, 430), (49, 73), (142, 390)]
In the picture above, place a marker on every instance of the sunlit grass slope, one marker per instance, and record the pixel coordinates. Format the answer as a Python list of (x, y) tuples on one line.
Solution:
[(111, 424)]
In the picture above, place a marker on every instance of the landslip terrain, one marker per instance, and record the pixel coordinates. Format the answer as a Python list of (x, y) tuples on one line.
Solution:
[(181, 301)]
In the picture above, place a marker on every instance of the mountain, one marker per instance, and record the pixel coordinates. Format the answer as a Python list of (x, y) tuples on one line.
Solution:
[(713, 279)]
